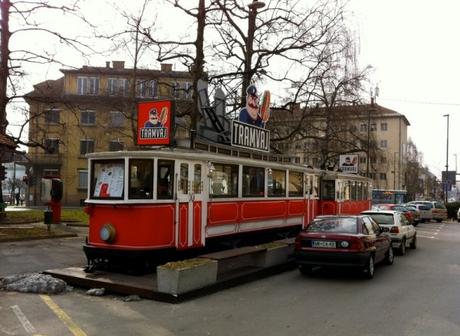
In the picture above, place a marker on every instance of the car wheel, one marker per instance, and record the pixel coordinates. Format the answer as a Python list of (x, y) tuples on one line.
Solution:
[(305, 270), (402, 248), (369, 268), (413, 243), (389, 256)]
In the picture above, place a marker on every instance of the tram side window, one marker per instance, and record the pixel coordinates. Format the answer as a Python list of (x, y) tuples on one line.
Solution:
[(140, 179), (224, 180), (295, 184), (183, 182), (353, 191), (165, 179), (197, 183), (315, 186), (328, 190), (277, 183), (253, 181)]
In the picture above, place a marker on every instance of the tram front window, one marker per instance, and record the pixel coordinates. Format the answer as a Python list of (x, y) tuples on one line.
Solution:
[(141, 179), (165, 179)]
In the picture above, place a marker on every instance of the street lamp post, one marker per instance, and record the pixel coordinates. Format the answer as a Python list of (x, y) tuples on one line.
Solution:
[(248, 72), (447, 160)]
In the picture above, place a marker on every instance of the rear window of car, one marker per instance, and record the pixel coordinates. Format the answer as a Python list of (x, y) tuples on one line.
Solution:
[(423, 207), (439, 206), (338, 225), (381, 218)]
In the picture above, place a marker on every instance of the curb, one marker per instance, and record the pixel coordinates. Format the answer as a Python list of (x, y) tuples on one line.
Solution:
[(64, 235)]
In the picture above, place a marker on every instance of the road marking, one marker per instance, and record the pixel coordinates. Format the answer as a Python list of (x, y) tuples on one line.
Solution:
[(23, 319), (71, 325)]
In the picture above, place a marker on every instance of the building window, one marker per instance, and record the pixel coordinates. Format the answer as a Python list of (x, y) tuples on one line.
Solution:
[(384, 126), (83, 179), (181, 90), (383, 159), (383, 143), (52, 116), (115, 145), (373, 160), (362, 159), (87, 85), (146, 88), (363, 128), (86, 146), (373, 127), (117, 119), (383, 176), (50, 172), (52, 146), (117, 86), (88, 117), (372, 176)]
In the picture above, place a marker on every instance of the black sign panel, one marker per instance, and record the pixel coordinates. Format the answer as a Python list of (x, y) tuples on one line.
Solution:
[(250, 137)]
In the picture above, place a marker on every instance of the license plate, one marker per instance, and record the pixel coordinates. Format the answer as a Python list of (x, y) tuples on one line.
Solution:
[(323, 243)]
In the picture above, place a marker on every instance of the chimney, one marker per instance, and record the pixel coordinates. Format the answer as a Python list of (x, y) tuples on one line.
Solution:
[(118, 65), (166, 67), (107, 64)]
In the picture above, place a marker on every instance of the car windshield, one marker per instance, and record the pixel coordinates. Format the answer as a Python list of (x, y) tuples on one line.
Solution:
[(339, 225), (382, 218)]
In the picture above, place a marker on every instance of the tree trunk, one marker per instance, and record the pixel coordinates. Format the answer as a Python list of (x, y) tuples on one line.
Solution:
[(5, 55)]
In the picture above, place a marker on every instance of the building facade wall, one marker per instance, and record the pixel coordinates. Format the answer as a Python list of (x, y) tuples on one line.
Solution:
[(69, 163)]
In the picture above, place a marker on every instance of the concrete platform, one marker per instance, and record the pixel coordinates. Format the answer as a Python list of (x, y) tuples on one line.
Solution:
[(236, 267)]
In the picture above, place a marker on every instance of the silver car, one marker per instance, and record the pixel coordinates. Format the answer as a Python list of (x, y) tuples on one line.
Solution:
[(402, 233)]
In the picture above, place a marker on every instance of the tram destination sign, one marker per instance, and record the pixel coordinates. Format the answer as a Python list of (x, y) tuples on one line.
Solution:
[(154, 122), (251, 137)]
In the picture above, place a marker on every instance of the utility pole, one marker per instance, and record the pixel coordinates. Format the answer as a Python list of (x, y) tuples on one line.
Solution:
[(447, 160), (248, 71)]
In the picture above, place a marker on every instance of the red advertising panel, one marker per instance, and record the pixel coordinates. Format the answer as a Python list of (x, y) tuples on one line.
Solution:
[(154, 123)]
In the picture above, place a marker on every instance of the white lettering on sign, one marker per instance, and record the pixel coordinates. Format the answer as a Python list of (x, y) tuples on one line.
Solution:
[(251, 137), (154, 133)]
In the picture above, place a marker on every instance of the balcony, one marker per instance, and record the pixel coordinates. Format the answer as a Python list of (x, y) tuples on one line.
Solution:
[(46, 159)]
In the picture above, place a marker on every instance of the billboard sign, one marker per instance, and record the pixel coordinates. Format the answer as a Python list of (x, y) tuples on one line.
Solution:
[(349, 163), (154, 123)]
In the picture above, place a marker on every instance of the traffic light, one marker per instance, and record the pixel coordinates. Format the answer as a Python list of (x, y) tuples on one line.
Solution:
[(2, 173)]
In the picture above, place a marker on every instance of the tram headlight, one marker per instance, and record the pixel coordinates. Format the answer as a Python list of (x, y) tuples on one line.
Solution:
[(107, 233)]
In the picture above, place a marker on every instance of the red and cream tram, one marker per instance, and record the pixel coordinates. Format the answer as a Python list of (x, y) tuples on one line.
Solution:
[(170, 199)]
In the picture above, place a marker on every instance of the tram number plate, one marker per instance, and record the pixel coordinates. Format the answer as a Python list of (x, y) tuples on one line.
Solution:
[(323, 243)]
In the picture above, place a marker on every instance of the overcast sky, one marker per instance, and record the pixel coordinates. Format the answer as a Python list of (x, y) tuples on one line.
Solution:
[(414, 47)]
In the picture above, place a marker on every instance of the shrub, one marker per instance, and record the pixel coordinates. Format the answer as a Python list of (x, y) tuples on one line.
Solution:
[(452, 209)]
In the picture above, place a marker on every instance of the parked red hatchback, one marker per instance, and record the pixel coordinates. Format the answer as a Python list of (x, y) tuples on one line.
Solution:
[(343, 241)]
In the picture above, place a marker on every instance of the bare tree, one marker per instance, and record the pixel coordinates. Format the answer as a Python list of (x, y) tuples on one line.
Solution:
[(25, 17)]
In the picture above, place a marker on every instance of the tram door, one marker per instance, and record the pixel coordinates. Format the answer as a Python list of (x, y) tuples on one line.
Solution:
[(190, 210)]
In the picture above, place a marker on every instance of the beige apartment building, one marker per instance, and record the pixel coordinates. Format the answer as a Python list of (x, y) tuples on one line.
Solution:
[(352, 130), (91, 109)]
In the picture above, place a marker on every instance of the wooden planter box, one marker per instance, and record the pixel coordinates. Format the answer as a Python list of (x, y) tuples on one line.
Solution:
[(275, 254), (180, 277)]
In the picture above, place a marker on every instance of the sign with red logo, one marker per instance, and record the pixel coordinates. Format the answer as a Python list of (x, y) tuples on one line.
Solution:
[(154, 123)]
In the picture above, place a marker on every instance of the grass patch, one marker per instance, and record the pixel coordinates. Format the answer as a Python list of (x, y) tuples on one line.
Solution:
[(11, 234), (35, 215)]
